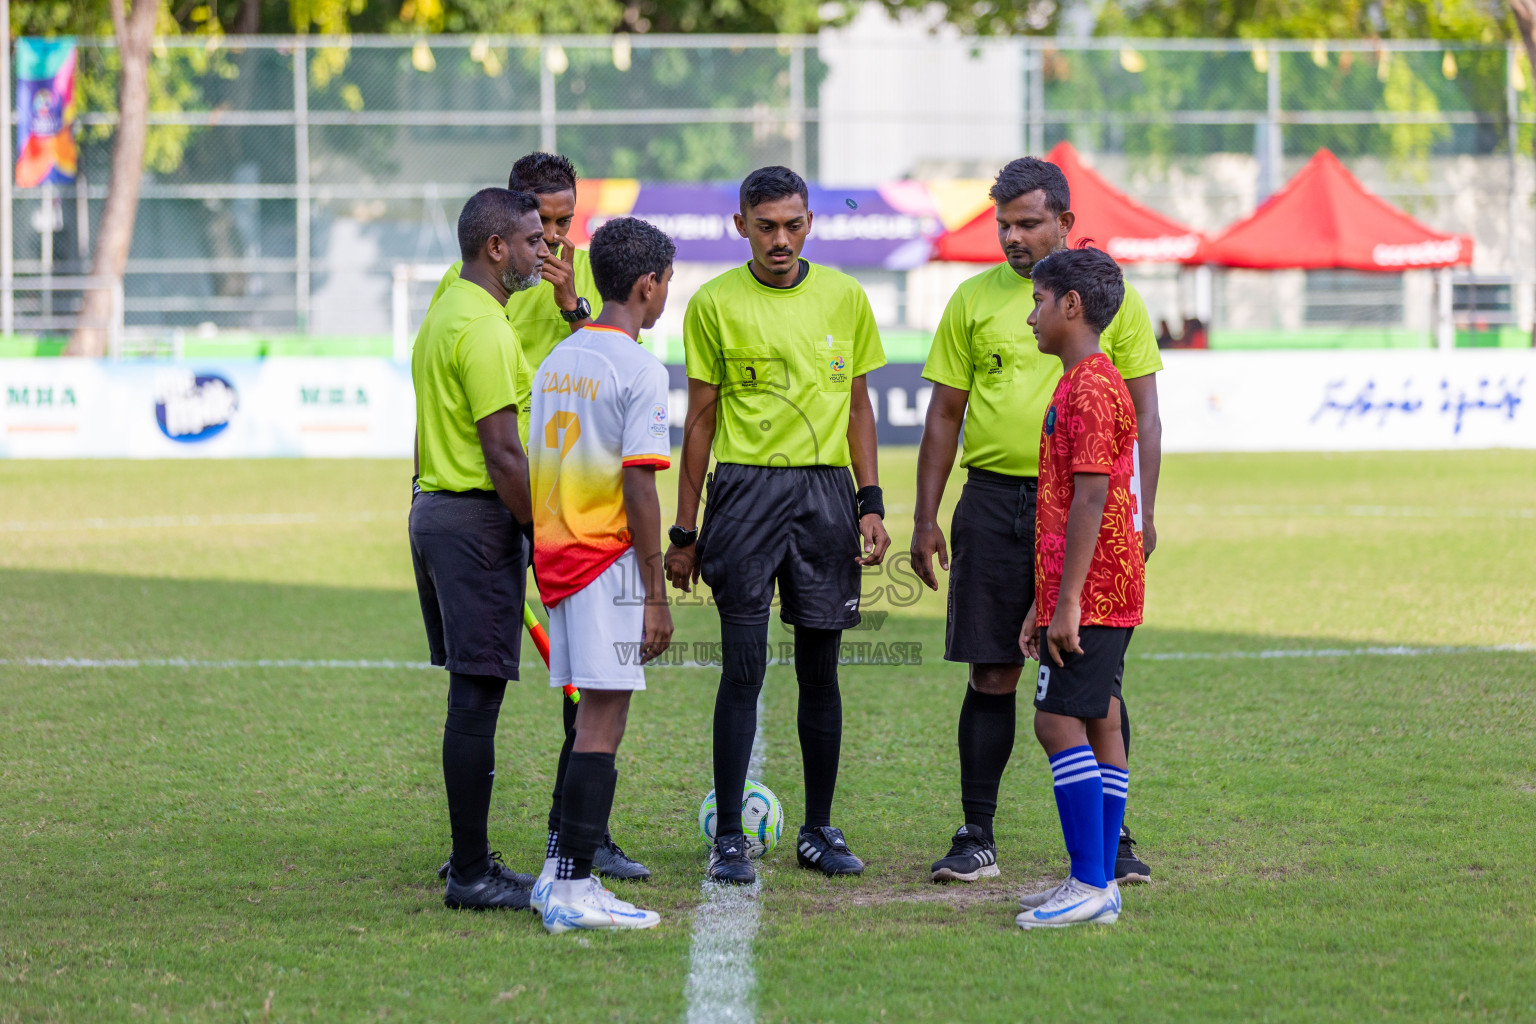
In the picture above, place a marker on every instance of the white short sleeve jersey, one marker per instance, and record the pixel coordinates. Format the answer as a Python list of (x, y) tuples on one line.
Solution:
[(599, 404)]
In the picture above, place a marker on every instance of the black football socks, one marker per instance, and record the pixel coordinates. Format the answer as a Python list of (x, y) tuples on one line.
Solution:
[(987, 725), (469, 767), (820, 718), (744, 662), (590, 779), (568, 715)]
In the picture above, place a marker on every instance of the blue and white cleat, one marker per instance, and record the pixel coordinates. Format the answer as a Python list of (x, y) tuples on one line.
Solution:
[(1029, 901), (593, 908), (546, 881), (542, 885), (1074, 903)]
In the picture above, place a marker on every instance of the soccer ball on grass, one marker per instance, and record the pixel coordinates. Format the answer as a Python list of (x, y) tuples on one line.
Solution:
[(762, 818)]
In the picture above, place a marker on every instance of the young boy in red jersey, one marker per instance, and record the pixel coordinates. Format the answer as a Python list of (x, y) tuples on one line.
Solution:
[(1089, 580)]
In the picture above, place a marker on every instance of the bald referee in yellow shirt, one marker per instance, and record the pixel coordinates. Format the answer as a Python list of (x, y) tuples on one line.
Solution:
[(988, 374), (472, 516)]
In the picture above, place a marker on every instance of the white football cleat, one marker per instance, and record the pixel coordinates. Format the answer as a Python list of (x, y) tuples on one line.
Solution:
[(1074, 903), (1029, 901), (546, 880), (594, 908), (542, 884)]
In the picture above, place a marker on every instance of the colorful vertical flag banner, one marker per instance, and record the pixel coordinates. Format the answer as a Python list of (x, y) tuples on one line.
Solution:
[(45, 111)]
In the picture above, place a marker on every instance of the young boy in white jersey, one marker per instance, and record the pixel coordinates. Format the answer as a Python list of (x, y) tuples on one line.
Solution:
[(598, 435)]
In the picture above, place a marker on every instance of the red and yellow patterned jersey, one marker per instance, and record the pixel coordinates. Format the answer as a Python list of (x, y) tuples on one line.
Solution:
[(599, 404), (1090, 427)]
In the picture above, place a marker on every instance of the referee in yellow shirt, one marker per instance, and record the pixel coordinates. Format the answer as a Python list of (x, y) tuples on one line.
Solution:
[(988, 374), (563, 302), (777, 351), (470, 523)]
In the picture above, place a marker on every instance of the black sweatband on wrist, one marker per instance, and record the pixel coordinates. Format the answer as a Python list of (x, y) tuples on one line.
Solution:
[(871, 501)]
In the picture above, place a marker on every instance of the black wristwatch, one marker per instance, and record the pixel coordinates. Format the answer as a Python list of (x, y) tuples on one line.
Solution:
[(682, 538), (583, 311)]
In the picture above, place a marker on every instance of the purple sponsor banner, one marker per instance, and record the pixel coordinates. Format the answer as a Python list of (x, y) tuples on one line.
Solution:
[(698, 218), (859, 228), (852, 227)]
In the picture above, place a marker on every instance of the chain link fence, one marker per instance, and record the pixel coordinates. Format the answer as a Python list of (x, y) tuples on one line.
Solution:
[(289, 176)]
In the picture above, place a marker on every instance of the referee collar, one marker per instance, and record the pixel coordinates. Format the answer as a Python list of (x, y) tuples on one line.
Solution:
[(805, 272)]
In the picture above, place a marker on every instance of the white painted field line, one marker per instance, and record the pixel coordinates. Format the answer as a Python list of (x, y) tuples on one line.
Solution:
[(213, 663), (1335, 652), (180, 522), (1397, 651), (720, 974), (1348, 511)]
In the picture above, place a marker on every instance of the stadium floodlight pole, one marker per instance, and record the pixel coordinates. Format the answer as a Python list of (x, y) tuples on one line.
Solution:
[(7, 270), (541, 641)]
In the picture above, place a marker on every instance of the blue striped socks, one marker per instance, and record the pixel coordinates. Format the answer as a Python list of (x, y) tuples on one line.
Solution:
[(1081, 804), (1117, 783)]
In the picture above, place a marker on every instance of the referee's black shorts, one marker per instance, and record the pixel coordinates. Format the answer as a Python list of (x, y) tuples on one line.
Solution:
[(991, 568), (794, 525), (471, 561)]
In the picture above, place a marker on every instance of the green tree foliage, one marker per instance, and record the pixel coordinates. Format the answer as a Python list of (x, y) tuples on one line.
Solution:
[(338, 17), (1485, 21)]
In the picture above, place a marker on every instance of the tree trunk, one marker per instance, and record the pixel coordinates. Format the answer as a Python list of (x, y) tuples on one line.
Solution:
[(135, 32), (1525, 19)]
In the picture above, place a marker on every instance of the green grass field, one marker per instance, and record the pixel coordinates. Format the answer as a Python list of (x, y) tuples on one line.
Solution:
[(1333, 838)]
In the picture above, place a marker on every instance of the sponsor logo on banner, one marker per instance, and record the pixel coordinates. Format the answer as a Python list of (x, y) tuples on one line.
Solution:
[(331, 408), (844, 227), (38, 405), (191, 407), (1453, 404)]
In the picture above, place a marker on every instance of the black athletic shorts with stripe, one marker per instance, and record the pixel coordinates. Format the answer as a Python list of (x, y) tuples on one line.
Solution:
[(1081, 686), (471, 573), (991, 568), (796, 526)]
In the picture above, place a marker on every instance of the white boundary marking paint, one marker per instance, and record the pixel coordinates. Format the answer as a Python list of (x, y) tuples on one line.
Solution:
[(720, 974), (1397, 651), (175, 522), (171, 522), (1347, 511), (211, 663)]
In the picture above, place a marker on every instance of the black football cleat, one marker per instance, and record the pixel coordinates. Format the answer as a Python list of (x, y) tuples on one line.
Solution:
[(728, 861), (498, 866), (825, 849), (491, 891), (1129, 868), (972, 855), (612, 862)]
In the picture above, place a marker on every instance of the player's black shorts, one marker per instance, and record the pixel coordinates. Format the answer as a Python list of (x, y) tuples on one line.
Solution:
[(794, 525), (470, 560), (991, 568), (1082, 685)]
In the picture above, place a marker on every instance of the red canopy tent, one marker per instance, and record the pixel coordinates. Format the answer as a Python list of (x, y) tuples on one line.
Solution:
[(1122, 227), (1324, 219)]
